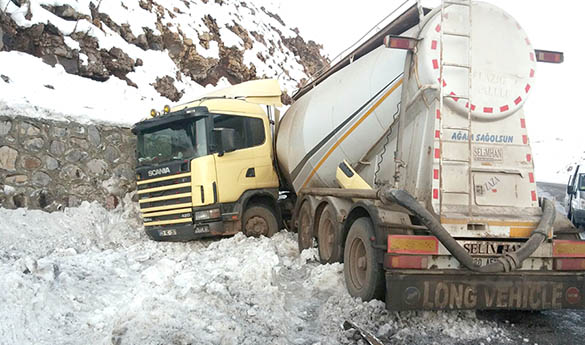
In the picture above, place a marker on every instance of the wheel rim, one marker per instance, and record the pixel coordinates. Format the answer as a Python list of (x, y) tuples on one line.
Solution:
[(326, 239), (358, 264), (256, 226)]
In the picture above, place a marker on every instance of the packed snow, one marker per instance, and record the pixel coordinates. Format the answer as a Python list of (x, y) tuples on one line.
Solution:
[(36, 89), (91, 276)]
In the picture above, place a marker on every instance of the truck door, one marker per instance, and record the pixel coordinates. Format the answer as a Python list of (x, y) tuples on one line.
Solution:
[(250, 165)]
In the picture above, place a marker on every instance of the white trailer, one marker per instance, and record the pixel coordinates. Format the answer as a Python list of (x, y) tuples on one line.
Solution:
[(412, 164)]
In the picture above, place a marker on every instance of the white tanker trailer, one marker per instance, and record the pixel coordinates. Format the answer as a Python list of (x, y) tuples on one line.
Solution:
[(409, 161)]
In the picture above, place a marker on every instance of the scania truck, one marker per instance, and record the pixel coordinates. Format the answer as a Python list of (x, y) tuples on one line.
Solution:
[(408, 161)]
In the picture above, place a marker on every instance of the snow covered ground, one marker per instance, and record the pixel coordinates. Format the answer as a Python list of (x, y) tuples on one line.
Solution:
[(90, 276)]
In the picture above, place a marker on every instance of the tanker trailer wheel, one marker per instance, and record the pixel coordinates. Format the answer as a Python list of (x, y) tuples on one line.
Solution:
[(305, 227), (364, 276), (329, 237), (259, 220)]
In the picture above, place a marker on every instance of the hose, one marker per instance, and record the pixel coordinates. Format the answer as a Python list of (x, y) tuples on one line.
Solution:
[(505, 263)]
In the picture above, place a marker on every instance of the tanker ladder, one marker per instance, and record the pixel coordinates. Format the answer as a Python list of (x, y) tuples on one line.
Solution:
[(454, 97)]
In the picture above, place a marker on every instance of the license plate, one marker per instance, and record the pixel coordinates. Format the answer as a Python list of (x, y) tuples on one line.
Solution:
[(202, 229), (484, 261), (170, 232)]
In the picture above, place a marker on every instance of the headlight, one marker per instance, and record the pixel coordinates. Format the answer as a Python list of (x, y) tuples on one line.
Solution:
[(207, 214)]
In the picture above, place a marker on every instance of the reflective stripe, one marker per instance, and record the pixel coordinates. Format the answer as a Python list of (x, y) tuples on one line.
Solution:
[(166, 213), (166, 207), (166, 197), (165, 178), (168, 222), (163, 188), (344, 136)]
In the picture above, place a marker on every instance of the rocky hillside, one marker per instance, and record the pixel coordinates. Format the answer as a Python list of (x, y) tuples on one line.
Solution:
[(139, 54)]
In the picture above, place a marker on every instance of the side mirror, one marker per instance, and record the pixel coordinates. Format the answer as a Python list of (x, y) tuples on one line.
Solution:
[(570, 189), (225, 137)]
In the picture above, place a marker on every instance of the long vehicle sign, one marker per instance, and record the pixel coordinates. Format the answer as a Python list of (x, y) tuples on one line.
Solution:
[(484, 291)]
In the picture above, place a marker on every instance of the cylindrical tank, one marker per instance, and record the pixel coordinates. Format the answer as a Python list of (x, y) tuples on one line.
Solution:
[(350, 113), (339, 119)]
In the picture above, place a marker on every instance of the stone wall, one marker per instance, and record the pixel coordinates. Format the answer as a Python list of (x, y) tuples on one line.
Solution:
[(49, 165)]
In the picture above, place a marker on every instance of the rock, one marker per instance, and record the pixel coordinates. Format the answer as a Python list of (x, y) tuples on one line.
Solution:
[(35, 144), (58, 131), (112, 154), (57, 147), (17, 179), (112, 202), (125, 171), (73, 201), (166, 88), (75, 155), (82, 143), (309, 54), (5, 127), (72, 172), (51, 163), (29, 129), (77, 131), (93, 135), (31, 163), (5, 78), (40, 179), (68, 13), (139, 62), (8, 157), (97, 167)]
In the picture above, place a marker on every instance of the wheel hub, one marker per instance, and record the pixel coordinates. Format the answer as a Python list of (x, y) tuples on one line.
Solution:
[(256, 226)]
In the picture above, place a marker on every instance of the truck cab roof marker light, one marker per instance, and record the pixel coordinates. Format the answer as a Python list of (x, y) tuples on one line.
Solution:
[(549, 56), (400, 42)]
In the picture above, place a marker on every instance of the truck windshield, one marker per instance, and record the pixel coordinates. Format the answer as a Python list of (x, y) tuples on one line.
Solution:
[(179, 140)]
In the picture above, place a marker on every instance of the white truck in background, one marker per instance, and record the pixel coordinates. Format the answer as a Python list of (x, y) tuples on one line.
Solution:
[(575, 199)]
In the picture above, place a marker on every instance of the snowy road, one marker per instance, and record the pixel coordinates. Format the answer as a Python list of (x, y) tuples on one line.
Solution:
[(90, 276)]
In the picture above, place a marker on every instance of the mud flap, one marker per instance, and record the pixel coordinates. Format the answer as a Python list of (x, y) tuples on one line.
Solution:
[(510, 291)]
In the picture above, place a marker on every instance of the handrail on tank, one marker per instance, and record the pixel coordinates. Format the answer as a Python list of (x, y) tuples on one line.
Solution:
[(506, 262)]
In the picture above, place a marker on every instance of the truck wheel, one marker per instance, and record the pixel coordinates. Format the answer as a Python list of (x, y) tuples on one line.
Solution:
[(259, 220), (305, 228), (329, 238), (364, 276)]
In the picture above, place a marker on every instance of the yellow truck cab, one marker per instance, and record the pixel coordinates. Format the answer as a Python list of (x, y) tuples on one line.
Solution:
[(207, 168)]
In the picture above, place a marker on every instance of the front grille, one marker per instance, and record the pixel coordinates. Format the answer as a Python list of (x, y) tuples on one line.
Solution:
[(169, 192), (164, 183)]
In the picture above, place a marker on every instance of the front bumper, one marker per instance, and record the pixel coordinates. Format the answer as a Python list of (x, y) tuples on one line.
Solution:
[(454, 289), (190, 232)]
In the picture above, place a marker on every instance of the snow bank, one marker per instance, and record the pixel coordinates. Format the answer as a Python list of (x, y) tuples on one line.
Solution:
[(90, 276), (37, 89)]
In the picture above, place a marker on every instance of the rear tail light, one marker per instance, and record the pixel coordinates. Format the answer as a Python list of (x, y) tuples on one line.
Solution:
[(399, 42), (570, 264), (406, 244), (549, 56)]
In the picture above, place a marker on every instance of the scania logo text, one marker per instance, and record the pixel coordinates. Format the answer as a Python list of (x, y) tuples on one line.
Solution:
[(160, 171)]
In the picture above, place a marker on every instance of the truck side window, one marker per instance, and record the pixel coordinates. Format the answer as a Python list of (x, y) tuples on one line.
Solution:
[(249, 132), (581, 182)]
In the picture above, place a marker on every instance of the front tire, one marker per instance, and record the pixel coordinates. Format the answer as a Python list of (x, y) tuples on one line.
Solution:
[(364, 276), (259, 220)]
